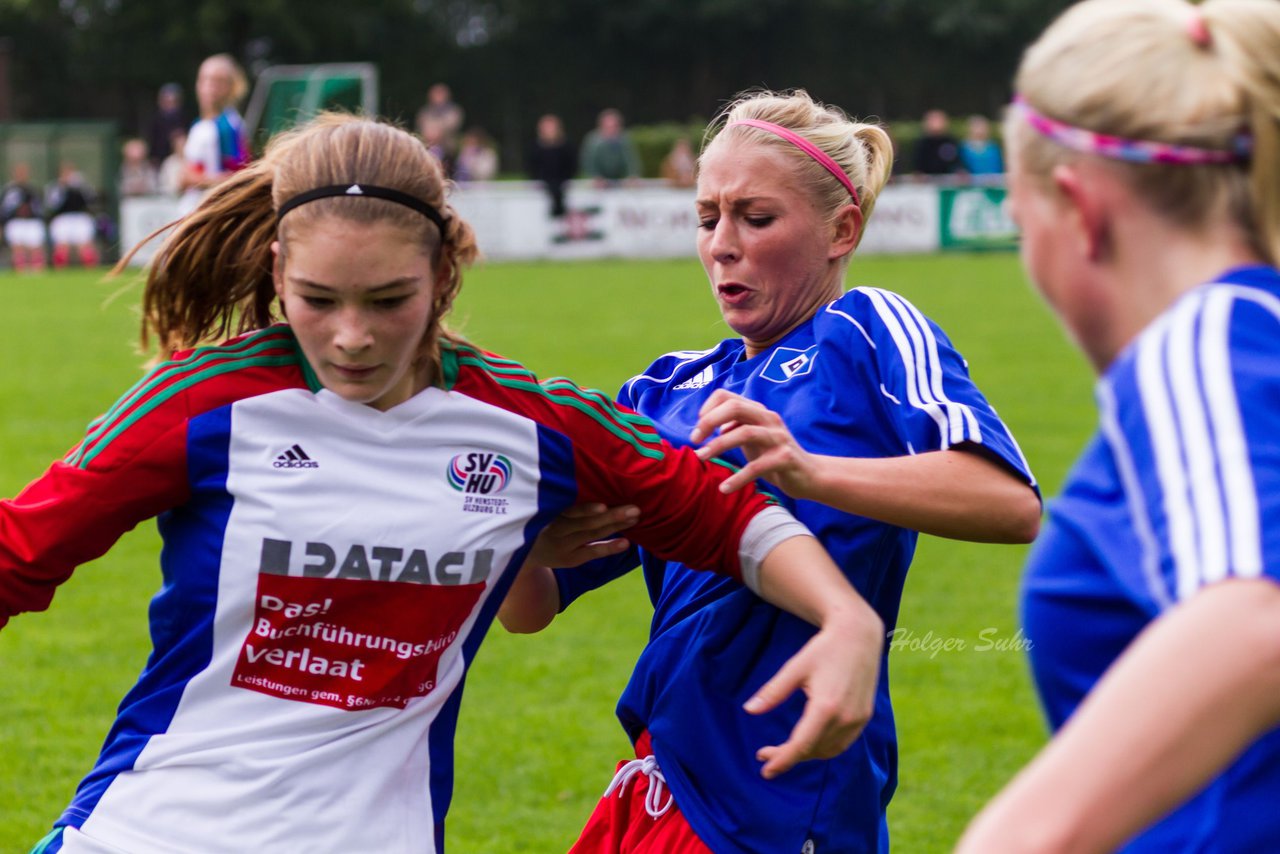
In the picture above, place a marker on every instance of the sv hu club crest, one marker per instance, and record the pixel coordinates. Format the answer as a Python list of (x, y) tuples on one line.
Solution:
[(479, 473)]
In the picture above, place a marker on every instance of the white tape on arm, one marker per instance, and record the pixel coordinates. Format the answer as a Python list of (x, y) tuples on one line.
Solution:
[(769, 528)]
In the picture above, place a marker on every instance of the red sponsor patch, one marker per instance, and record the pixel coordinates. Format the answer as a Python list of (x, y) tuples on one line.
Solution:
[(350, 643)]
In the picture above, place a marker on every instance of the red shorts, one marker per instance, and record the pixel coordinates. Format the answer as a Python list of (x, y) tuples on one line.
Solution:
[(622, 824)]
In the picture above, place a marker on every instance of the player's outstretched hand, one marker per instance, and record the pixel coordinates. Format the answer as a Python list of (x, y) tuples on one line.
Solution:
[(772, 452), (838, 670), (582, 533)]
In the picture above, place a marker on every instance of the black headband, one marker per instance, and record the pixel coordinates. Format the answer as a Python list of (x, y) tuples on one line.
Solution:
[(367, 190)]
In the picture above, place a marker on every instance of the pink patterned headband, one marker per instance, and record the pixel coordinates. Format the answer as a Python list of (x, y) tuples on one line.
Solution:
[(1130, 150), (824, 160)]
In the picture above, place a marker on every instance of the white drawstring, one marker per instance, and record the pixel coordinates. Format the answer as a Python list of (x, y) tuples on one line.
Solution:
[(657, 784)]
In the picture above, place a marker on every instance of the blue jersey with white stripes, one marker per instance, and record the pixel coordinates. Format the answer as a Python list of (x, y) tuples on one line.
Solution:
[(867, 376), (1179, 489)]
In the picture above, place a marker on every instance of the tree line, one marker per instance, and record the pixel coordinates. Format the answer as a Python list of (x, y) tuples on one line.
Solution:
[(508, 61)]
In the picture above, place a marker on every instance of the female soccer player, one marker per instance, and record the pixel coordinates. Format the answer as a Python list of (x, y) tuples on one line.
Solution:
[(343, 500), (1146, 179), (216, 144), (862, 415)]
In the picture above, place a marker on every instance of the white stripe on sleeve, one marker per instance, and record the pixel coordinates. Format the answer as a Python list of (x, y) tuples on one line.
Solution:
[(959, 432), (1167, 451), (1229, 441), (1133, 493), (1201, 469), (891, 323)]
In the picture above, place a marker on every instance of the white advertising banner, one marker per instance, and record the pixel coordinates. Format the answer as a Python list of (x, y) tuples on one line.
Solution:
[(649, 220)]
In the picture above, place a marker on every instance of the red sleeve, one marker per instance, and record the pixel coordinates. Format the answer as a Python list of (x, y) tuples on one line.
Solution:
[(619, 458), (74, 512), (131, 465), (683, 514)]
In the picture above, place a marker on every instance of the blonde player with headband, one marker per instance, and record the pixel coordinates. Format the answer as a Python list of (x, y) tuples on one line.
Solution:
[(861, 417), (344, 499), (1145, 143)]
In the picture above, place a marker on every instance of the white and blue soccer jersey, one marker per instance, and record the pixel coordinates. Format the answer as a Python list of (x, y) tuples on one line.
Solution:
[(328, 573), (1179, 489), (867, 376)]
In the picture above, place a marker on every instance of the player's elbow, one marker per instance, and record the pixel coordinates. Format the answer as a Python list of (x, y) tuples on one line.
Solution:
[(1017, 521), (1024, 522), (524, 621)]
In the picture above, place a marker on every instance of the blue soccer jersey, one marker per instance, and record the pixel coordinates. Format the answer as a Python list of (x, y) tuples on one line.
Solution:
[(867, 376), (1179, 489)]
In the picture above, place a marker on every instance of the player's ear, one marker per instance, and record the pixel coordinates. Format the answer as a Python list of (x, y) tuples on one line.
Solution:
[(1088, 216), (847, 228), (277, 269)]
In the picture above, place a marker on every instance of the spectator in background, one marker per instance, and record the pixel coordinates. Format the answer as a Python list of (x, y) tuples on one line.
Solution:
[(434, 138), (553, 161), (216, 145), (24, 230), (137, 176), (979, 153), (609, 156), (679, 167), (439, 122), (173, 167), (477, 157), (71, 226), (937, 151), (170, 116)]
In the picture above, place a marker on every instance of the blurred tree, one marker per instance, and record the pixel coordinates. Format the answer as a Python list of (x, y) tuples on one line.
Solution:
[(508, 61)]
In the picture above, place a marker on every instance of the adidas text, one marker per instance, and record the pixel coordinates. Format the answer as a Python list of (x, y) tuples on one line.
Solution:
[(703, 378), (295, 458)]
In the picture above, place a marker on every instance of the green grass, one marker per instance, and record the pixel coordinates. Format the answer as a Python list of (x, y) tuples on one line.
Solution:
[(537, 741)]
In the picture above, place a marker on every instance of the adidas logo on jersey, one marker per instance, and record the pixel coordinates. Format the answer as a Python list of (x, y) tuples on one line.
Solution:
[(295, 458), (701, 379)]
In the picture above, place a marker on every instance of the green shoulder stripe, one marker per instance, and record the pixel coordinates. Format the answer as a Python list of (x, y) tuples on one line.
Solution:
[(165, 385), (199, 357), (524, 381), (639, 426)]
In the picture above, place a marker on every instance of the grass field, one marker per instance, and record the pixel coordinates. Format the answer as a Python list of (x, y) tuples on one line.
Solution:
[(538, 740)]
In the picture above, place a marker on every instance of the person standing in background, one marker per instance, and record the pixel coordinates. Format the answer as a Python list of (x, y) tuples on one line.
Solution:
[(169, 117), (216, 144), (980, 155), (937, 151), (552, 160), (609, 155), (439, 123)]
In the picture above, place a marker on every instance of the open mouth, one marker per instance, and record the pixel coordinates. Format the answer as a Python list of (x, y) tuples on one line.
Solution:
[(732, 290)]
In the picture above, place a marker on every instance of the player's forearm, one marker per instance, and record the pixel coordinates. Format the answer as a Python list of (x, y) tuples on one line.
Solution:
[(532, 602), (957, 494), (799, 577), (1188, 696)]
